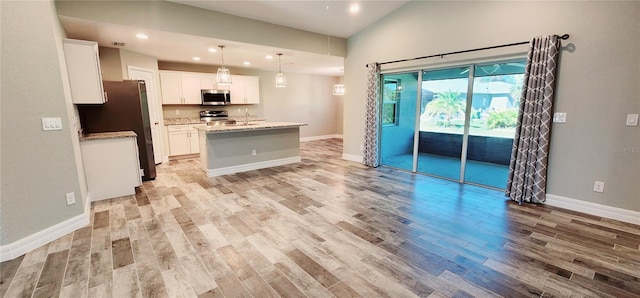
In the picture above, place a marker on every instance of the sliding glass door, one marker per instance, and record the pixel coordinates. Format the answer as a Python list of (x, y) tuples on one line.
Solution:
[(466, 119), (442, 121), (495, 102)]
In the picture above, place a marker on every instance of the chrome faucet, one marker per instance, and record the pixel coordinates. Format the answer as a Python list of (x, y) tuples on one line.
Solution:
[(246, 116)]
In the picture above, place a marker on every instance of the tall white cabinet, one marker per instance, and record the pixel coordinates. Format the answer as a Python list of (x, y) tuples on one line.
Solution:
[(83, 67)]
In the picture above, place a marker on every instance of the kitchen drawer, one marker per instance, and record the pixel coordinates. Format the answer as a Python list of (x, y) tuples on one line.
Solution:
[(178, 127)]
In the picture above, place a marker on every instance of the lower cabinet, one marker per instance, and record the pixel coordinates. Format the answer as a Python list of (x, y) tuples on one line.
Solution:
[(183, 139), (111, 166)]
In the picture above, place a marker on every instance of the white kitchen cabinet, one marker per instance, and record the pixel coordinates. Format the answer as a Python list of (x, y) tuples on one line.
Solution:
[(111, 165), (83, 68), (170, 88), (191, 89), (183, 139), (182, 87), (194, 144), (245, 90)]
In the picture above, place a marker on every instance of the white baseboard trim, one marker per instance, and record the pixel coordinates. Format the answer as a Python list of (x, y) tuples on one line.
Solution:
[(253, 166), (87, 206), (620, 214), (351, 157), (33, 241), (324, 137)]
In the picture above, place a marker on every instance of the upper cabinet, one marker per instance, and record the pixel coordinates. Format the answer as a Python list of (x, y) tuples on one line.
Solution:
[(183, 88), (83, 67), (180, 88), (245, 90)]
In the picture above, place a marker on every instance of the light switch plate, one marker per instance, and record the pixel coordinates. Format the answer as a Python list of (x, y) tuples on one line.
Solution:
[(632, 119), (52, 123), (559, 117)]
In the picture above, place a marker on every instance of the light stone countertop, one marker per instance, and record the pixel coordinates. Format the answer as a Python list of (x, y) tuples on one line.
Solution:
[(178, 121), (257, 125), (108, 135)]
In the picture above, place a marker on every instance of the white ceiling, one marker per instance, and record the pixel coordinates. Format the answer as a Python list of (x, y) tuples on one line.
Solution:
[(304, 15)]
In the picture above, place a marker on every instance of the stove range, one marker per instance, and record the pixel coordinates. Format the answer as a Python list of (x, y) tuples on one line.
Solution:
[(214, 116)]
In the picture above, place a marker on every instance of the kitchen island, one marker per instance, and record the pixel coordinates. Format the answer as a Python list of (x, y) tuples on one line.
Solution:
[(228, 149)]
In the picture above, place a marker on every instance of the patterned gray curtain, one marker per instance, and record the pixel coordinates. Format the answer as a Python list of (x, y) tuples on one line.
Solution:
[(370, 148), (528, 167)]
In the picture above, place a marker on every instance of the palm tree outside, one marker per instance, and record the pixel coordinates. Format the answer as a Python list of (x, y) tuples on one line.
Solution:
[(446, 104)]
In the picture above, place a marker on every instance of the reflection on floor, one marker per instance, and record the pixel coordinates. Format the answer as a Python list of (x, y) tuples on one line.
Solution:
[(484, 173)]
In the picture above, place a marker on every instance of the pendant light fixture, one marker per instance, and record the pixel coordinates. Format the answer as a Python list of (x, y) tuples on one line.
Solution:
[(281, 81), (338, 89), (223, 77)]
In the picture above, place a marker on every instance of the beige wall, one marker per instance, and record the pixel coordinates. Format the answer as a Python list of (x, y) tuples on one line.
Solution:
[(110, 64), (597, 82), (38, 168)]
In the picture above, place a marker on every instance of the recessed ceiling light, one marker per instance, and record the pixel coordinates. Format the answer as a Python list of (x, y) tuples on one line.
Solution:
[(269, 57), (212, 50), (247, 63), (196, 58), (354, 8), (142, 36)]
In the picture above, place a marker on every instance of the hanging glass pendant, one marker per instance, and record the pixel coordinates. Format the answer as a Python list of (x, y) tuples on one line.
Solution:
[(338, 89), (223, 77), (281, 81)]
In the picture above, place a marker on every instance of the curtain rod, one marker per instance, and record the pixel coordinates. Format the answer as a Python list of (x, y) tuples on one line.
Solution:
[(563, 37)]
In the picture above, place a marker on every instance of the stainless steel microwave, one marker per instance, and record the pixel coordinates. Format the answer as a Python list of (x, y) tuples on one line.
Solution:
[(213, 97)]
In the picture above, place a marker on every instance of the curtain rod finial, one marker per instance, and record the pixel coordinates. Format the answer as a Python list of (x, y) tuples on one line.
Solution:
[(564, 37)]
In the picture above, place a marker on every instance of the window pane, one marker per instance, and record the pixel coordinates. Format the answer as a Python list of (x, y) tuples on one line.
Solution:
[(398, 112), (449, 73), (496, 69), (388, 113), (443, 105)]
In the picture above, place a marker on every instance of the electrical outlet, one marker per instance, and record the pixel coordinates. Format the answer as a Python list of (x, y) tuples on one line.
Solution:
[(177, 112), (361, 147), (253, 152), (632, 120), (560, 117), (71, 198), (598, 186)]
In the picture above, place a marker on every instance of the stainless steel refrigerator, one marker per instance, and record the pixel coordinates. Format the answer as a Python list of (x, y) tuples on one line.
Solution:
[(125, 109)]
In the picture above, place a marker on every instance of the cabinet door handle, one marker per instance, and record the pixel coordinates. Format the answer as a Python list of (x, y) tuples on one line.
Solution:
[(106, 97)]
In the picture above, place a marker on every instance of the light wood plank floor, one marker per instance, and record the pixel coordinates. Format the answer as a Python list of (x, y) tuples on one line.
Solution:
[(327, 227)]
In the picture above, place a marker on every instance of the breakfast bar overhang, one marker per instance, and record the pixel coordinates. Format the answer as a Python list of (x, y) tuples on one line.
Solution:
[(239, 148)]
